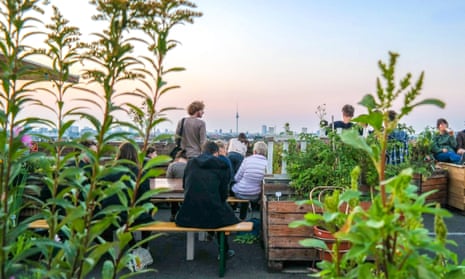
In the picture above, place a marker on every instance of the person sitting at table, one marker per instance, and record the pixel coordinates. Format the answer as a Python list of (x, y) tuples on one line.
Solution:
[(128, 157), (223, 156), (205, 183), (176, 170), (249, 177), (444, 144), (237, 149)]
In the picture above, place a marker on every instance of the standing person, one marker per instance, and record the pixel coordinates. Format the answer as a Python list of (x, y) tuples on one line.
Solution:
[(194, 133), (176, 170), (444, 144), (347, 115), (237, 148), (205, 185), (249, 177)]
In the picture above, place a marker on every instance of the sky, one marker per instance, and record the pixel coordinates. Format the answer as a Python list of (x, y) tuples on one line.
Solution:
[(276, 61)]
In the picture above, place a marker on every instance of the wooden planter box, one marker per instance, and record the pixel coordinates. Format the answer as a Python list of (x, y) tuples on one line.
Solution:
[(281, 242), (456, 185), (437, 181)]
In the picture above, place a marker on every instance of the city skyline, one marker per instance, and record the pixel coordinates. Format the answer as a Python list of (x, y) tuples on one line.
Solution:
[(274, 62)]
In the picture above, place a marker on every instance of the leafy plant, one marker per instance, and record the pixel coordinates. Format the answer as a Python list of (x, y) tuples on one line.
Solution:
[(322, 163), (391, 231), (109, 62)]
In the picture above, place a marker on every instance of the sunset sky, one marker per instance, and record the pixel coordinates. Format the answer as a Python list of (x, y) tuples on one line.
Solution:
[(276, 61)]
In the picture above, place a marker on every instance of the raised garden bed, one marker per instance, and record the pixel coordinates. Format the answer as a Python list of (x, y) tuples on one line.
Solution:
[(281, 242)]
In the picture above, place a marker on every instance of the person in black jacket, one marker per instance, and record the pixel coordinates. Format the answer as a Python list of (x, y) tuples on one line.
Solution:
[(206, 181)]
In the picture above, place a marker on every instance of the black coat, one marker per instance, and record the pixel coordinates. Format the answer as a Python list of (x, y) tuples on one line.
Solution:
[(205, 182)]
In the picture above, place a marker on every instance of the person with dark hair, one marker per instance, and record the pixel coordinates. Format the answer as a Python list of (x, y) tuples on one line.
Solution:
[(151, 152), (194, 132), (237, 149), (444, 144), (397, 143), (128, 157), (205, 183), (347, 115)]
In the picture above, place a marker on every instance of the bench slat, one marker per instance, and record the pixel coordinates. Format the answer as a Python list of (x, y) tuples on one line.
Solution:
[(172, 227), (168, 199)]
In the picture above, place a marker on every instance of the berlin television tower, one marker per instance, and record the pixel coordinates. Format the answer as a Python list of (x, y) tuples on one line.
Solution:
[(237, 120)]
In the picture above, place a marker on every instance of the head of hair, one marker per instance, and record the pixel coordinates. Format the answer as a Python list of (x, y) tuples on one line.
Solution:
[(242, 137), (195, 107), (181, 154), (392, 115), (441, 121), (88, 143), (210, 147), (127, 151), (348, 110), (260, 147), (150, 150), (220, 144)]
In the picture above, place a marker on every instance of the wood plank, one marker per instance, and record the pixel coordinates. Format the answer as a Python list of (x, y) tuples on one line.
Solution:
[(287, 206), (293, 254), (284, 230), (283, 219), (172, 227), (286, 242)]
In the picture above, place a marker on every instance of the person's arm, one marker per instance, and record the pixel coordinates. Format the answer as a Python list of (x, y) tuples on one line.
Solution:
[(453, 143), (240, 171), (203, 133), (169, 171)]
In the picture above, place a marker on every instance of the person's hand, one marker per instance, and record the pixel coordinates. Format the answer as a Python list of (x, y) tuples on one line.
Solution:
[(444, 150)]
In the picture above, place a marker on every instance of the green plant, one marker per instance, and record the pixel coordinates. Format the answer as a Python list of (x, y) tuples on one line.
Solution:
[(247, 238), (391, 231), (323, 164), (109, 63)]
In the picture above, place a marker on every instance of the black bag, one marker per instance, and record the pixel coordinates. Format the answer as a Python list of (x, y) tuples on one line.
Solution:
[(177, 148)]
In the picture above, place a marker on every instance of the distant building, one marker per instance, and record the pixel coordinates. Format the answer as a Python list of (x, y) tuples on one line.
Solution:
[(264, 128)]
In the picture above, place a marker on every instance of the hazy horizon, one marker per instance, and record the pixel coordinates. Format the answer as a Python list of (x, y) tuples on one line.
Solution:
[(276, 61)]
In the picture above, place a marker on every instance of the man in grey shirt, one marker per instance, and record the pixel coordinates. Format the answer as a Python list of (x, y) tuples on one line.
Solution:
[(194, 132)]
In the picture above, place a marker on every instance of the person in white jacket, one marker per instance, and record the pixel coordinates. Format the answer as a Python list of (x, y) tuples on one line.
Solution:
[(249, 177), (237, 149)]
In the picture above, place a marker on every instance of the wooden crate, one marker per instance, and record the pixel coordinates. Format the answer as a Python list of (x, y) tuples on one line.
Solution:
[(437, 181), (456, 185), (281, 242)]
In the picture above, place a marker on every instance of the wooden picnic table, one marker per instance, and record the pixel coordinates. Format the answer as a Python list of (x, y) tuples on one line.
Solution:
[(173, 185), (173, 190)]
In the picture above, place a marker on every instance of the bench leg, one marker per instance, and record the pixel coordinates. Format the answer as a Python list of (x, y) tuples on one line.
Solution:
[(222, 255), (190, 246), (202, 236)]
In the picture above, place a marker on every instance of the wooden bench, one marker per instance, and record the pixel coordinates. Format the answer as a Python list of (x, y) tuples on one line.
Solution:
[(181, 199), (172, 227)]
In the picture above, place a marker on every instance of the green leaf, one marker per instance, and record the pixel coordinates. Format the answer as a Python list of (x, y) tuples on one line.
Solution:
[(375, 224), (353, 138), (313, 243)]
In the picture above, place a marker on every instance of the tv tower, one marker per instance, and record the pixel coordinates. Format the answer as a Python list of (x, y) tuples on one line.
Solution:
[(237, 120)]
